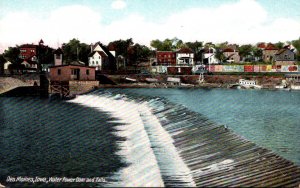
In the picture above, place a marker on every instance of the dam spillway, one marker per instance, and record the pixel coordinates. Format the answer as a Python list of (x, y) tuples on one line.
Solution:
[(209, 154), (129, 139)]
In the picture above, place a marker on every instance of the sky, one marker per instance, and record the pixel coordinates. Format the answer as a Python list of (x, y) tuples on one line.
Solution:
[(235, 21)]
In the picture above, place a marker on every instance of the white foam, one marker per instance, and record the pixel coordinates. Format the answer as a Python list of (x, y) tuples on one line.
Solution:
[(170, 163), (148, 149), (143, 169)]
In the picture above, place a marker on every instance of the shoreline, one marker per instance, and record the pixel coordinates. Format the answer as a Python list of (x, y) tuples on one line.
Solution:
[(199, 86)]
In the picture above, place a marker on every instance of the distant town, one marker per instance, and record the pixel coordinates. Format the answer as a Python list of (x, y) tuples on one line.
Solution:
[(190, 63)]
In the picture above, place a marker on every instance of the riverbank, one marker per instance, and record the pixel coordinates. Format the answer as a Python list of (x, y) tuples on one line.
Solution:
[(9, 83)]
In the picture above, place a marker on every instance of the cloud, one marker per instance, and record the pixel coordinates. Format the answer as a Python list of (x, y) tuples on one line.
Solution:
[(60, 26), (118, 4), (245, 21)]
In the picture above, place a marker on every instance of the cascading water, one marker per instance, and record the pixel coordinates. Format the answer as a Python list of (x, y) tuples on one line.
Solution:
[(148, 149)]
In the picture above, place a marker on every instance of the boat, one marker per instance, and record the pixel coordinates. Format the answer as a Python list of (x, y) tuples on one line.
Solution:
[(248, 84), (295, 87), (130, 79), (151, 80)]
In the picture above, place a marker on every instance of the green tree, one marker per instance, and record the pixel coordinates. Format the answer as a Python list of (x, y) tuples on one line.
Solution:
[(12, 54), (121, 47), (246, 52), (138, 52), (75, 50), (167, 44), (157, 44), (45, 55), (219, 54), (296, 44), (197, 49), (258, 53), (279, 45)]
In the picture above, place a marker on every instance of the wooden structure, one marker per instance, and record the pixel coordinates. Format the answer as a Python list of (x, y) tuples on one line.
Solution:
[(60, 87)]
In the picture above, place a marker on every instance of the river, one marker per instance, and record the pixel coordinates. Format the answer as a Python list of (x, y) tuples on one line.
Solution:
[(86, 137)]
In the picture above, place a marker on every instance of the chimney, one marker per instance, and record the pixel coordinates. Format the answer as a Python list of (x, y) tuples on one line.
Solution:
[(91, 47)]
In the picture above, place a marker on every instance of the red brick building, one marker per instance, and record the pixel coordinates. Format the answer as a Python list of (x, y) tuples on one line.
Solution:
[(72, 79), (28, 51), (72, 72), (166, 58)]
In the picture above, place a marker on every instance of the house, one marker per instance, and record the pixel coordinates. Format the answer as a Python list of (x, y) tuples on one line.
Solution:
[(27, 51), (29, 55), (231, 55), (269, 53), (29, 65), (71, 79), (285, 56), (185, 57), (72, 71), (102, 58), (261, 45), (209, 56), (166, 58)]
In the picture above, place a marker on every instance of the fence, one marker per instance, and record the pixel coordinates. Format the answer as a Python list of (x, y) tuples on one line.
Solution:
[(254, 68)]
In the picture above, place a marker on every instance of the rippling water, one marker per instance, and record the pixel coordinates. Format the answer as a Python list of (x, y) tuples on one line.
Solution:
[(268, 118), (55, 139), (113, 133)]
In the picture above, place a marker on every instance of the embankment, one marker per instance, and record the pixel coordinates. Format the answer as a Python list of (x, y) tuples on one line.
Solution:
[(210, 80), (9, 83)]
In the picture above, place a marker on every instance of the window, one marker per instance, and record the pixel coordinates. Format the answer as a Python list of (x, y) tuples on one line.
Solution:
[(285, 56), (57, 56), (87, 72), (58, 71), (75, 71)]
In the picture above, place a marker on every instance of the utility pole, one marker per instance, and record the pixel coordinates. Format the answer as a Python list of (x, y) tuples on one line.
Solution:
[(44, 83)]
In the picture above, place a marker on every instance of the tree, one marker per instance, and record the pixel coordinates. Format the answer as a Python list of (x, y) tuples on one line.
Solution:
[(45, 55), (167, 44), (138, 52), (2, 61), (157, 44), (258, 53), (197, 49), (246, 52), (296, 44), (279, 45), (219, 54), (12, 54), (121, 47), (74, 50)]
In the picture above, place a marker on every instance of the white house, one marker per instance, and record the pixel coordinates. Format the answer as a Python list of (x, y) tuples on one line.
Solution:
[(185, 56), (96, 58), (29, 64), (209, 56), (6, 65), (99, 55)]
